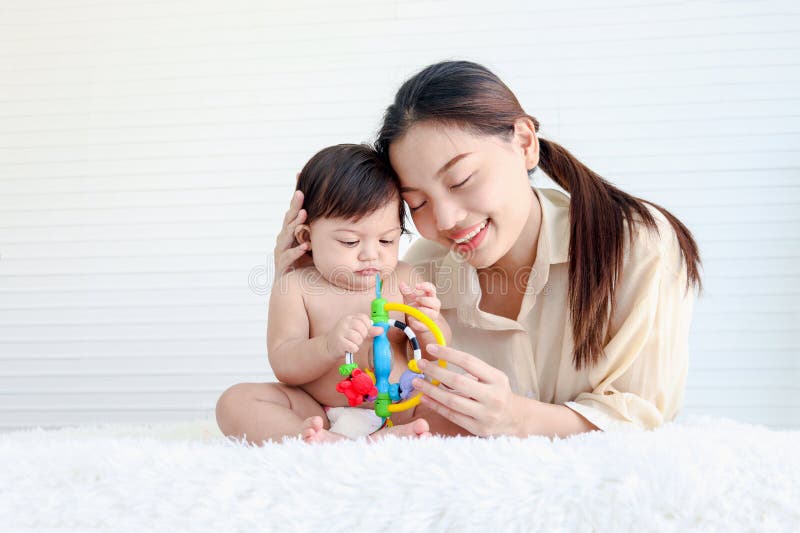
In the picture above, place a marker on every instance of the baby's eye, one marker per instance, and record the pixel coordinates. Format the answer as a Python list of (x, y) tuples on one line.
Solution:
[(386, 242), (349, 244)]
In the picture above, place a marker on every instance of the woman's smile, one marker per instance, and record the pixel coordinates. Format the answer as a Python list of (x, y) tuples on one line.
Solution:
[(472, 238)]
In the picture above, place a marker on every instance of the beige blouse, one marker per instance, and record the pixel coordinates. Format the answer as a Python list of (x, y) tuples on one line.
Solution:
[(641, 379)]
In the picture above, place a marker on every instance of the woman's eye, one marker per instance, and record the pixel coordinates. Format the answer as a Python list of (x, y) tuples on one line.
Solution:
[(412, 209), (457, 185), (349, 244)]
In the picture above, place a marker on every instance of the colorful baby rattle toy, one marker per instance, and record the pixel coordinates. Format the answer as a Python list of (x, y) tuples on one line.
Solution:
[(362, 385)]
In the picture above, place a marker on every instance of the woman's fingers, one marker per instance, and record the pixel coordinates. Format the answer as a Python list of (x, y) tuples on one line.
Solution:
[(466, 406), (466, 422), (287, 258), (294, 207), (285, 238), (286, 253), (481, 370), (490, 406), (461, 384)]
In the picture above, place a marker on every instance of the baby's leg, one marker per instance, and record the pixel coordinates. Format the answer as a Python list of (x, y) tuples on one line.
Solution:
[(267, 411)]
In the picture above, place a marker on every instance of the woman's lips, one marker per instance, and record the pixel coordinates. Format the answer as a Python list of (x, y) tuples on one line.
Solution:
[(466, 231), (475, 241)]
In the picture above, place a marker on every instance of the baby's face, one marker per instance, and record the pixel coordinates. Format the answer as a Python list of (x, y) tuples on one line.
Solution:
[(348, 254)]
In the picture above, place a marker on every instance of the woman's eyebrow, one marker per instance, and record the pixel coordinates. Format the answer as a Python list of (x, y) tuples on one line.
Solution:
[(450, 163), (441, 171)]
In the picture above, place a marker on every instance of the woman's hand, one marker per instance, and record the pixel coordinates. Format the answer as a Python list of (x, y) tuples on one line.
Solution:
[(480, 401), (288, 254)]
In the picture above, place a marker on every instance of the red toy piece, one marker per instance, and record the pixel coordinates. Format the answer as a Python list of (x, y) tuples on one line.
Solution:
[(358, 387)]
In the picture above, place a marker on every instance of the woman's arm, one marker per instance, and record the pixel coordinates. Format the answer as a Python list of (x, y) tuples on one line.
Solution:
[(541, 418)]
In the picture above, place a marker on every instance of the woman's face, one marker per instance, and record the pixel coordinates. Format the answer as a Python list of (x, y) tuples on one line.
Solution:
[(465, 191)]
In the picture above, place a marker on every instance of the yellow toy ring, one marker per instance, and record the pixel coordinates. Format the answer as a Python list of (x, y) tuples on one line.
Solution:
[(412, 365)]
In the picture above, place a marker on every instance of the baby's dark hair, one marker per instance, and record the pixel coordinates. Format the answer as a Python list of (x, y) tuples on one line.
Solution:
[(348, 181)]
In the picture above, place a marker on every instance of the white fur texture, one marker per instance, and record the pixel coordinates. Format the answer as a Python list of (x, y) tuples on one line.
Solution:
[(701, 475)]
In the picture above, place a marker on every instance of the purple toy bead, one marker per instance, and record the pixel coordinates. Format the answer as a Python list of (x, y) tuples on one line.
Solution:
[(406, 388)]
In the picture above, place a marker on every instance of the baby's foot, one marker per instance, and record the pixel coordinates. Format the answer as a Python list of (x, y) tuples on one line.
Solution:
[(314, 432), (415, 429)]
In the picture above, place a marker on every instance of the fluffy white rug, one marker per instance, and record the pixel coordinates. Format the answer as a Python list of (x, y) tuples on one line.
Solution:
[(701, 474)]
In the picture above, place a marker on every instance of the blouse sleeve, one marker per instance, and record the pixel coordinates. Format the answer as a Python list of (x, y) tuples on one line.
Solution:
[(639, 383)]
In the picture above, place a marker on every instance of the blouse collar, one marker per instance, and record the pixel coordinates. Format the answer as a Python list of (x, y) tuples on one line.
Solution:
[(457, 280)]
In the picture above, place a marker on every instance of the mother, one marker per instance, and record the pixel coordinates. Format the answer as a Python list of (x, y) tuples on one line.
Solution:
[(571, 313)]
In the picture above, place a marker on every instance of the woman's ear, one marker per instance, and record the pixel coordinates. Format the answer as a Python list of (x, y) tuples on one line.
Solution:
[(525, 138), (302, 234)]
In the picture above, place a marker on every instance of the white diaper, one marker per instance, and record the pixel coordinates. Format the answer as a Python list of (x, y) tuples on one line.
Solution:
[(353, 422)]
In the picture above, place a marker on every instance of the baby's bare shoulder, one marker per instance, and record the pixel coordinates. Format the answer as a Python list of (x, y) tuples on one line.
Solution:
[(304, 278)]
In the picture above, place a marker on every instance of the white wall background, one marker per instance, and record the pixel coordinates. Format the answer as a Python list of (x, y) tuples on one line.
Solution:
[(148, 150)]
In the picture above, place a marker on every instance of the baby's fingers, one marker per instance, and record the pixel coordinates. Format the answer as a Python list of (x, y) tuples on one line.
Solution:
[(365, 321), (429, 303), (409, 295), (426, 288)]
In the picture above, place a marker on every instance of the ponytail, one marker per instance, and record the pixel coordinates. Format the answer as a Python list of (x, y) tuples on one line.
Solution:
[(595, 265)]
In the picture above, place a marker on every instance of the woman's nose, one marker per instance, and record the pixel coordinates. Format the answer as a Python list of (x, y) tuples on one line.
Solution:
[(447, 214)]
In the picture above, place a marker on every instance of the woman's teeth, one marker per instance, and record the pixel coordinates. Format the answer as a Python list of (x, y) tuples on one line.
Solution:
[(471, 234)]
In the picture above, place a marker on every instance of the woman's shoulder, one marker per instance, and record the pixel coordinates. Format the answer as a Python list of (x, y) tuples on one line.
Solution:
[(657, 241)]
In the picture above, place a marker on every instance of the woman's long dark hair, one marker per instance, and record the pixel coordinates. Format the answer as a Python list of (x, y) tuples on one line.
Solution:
[(468, 95)]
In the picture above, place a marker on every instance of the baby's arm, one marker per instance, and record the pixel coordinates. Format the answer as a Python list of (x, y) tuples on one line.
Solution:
[(295, 359)]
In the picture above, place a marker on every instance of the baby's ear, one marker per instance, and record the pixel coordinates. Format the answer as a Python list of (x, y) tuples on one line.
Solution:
[(302, 234)]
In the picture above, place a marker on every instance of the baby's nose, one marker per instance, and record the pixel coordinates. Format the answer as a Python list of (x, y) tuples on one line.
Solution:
[(368, 251)]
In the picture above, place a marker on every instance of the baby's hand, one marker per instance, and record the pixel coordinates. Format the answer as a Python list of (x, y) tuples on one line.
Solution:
[(349, 334), (423, 297)]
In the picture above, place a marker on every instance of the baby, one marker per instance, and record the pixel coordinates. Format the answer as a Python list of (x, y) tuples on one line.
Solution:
[(354, 222)]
